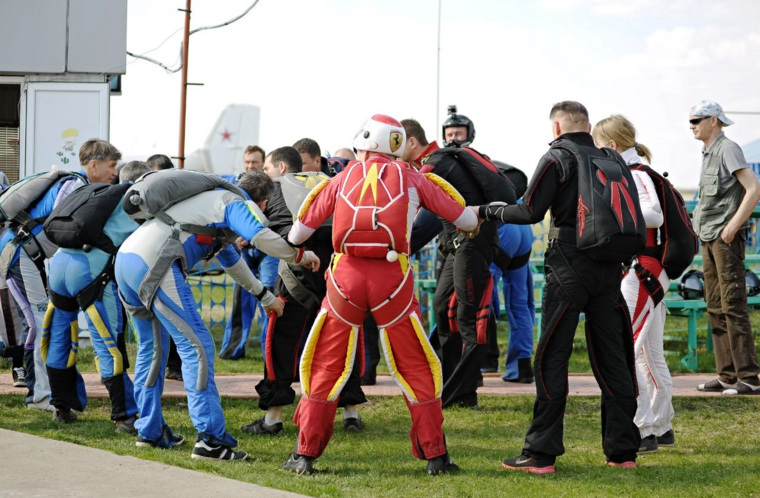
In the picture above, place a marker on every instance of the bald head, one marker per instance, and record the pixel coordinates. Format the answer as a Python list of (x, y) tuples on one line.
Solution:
[(345, 153)]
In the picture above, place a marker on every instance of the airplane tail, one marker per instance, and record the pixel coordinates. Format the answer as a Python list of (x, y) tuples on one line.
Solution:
[(222, 153)]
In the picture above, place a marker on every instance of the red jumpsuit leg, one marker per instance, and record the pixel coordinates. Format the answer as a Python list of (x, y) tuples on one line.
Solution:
[(416, 368), (326, 364)]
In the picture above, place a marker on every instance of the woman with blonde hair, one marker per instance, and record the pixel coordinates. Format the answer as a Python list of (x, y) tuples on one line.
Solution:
[(654, 414)]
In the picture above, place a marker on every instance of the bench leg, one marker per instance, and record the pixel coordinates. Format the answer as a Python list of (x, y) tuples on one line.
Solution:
[(690, 360)]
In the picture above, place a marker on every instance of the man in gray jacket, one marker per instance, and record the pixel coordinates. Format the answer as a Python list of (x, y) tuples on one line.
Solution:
[(728, 192)]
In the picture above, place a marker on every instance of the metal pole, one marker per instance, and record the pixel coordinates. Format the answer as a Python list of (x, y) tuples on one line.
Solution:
[(438, 73), (183, 97)]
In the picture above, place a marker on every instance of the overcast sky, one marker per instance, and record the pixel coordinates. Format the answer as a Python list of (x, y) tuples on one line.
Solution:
[(319, 68)]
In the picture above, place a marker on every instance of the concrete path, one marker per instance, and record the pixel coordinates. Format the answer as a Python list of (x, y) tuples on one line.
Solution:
[(242, 386), (34, 466)]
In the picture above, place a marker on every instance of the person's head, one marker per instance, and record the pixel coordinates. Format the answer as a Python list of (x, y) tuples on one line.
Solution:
[(569, 117), (617, 133), (133, 170), (157, 162), (258, 186), (458, 129), (311, 154), (253, 158), (345, 153), (283, 160), (380, 134), (707, 120), (416, 141), (98, 159)]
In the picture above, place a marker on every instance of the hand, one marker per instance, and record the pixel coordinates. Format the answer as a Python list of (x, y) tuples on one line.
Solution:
[(310, 260), (242, 243), (277, 307), (476, 210), (728, 234)]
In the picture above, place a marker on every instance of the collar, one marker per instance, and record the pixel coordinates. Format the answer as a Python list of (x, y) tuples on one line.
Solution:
[(631, 157), (431, 147), (720, 136)]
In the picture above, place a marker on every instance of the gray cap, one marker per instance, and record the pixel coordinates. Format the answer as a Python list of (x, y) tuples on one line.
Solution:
[(710, 108)]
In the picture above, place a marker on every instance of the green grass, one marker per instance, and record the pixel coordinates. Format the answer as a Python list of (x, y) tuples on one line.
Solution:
[(717, 452)]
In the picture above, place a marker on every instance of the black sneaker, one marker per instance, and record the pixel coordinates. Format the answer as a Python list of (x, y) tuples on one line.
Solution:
[(369, 380), (64, 415), (529, 464), (262, 428), (441, 465), (141, 442), (206, 451), (126, 426), (667, 439), (353, 424), (715, 386), (300, 464), (19, 377), (648, 444), (172, 374)]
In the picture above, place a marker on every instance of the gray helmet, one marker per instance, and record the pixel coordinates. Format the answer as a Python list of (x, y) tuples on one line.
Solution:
[(753, 283), (692, 285)]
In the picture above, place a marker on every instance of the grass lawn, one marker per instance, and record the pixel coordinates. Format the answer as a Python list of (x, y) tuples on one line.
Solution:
[(718, 462), (717, 452)]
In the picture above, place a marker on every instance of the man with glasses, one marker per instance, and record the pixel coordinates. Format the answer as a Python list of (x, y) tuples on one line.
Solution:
[(728, 192)]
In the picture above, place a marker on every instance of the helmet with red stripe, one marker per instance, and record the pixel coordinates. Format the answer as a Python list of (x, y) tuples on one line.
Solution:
[(382, 134)]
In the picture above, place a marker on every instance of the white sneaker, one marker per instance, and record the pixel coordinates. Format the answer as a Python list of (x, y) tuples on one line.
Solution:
[(41, 405)]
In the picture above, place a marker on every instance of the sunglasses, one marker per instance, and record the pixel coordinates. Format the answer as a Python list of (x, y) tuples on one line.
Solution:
[(696, 121)]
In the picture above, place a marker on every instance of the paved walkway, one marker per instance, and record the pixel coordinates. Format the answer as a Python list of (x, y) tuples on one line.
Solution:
[(242, 386)]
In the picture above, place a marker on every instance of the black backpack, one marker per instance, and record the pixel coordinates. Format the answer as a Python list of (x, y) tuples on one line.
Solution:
[(609, 224), (493, 183), (678, 242), (78, 221)]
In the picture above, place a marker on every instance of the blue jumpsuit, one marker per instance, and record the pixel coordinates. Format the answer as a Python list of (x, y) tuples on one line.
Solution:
[(516, 240), (71, 270), (28, 287), (150, 272)]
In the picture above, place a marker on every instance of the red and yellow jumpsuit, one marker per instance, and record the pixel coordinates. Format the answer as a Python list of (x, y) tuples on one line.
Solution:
[(373, 205)]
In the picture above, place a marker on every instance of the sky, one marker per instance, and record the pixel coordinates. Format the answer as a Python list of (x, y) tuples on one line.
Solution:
[(320, 68)]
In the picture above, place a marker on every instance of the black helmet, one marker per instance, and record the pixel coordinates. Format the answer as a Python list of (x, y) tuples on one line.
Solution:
[(692, 285), (753, 283), (455, 119)]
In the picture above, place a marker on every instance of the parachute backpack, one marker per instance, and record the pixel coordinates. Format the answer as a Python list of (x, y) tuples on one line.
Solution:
[(297, 186), (78, 221), (494, 183), (678, 242), (156, 191), (16, 199), (609, 224)]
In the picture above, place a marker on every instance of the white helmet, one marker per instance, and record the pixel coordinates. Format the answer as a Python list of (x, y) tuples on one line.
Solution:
[(381, 134)]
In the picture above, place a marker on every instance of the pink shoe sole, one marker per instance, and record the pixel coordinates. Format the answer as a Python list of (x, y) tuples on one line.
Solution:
[(623, 465), (532, 470)]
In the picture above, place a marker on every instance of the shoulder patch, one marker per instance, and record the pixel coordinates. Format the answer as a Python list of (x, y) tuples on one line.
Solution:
[(447, 187)]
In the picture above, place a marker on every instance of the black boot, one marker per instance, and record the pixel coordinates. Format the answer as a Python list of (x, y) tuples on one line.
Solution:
[(63, 388)]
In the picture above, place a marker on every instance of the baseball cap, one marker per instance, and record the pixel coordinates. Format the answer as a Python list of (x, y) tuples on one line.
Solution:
[(710, 108)]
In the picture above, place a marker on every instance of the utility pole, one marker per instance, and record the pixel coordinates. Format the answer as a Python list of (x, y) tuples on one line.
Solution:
[(183, 97), (438, 73)]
